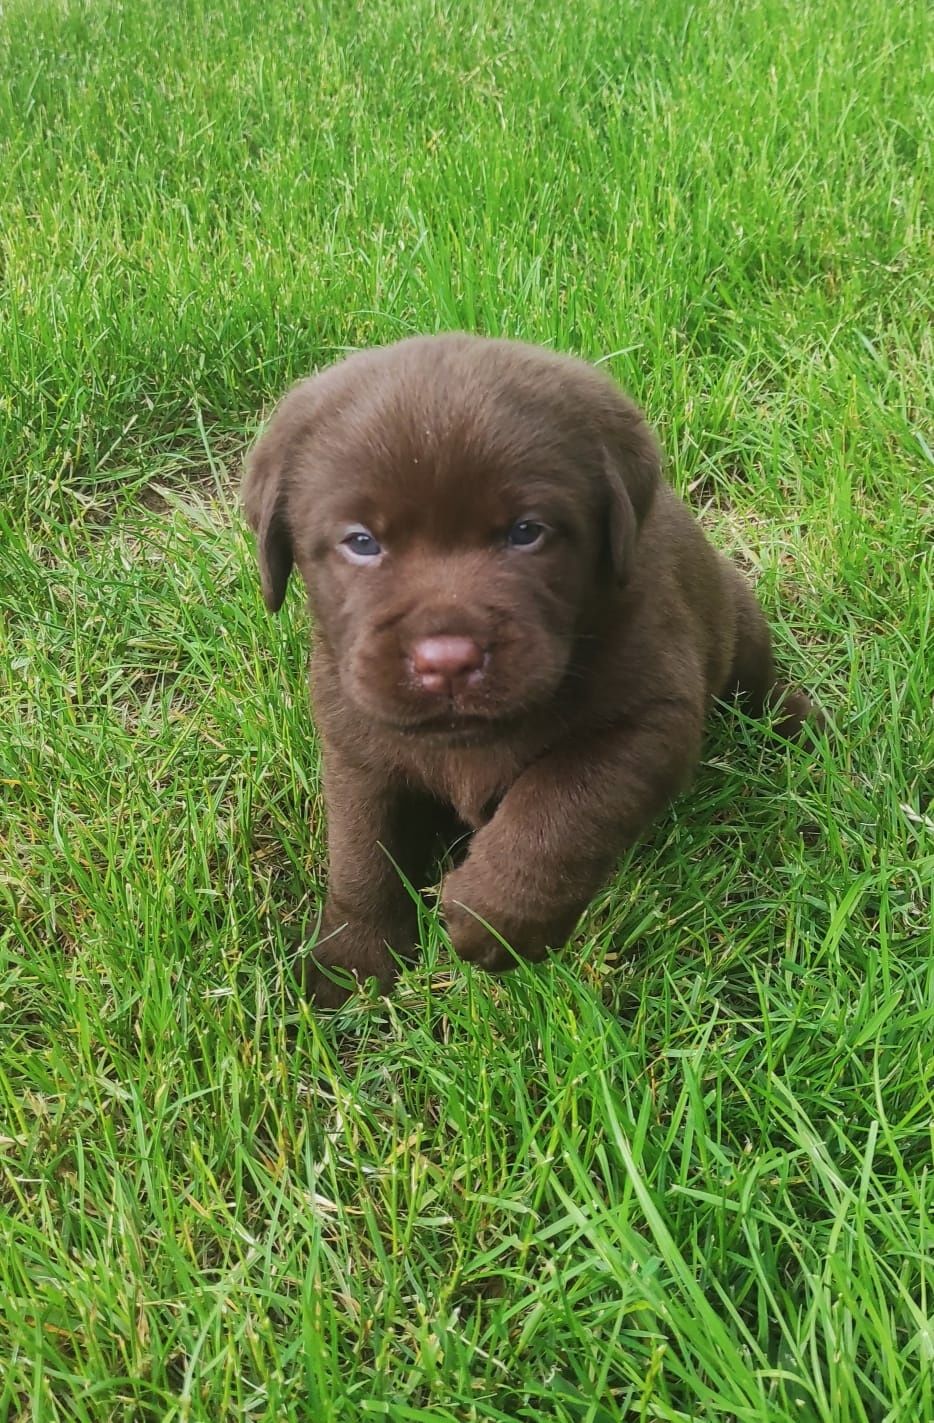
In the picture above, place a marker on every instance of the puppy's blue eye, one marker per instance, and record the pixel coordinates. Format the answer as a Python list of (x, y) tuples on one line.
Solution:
[(525, 533), (361, 544)]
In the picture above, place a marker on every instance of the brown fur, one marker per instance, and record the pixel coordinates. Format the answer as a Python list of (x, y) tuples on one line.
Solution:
[(605, 647)]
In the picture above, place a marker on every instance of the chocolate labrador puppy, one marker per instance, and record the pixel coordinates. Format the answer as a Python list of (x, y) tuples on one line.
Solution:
[(518, 633)]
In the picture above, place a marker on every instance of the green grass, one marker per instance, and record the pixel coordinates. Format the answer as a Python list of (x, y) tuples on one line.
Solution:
[(683, 1172)]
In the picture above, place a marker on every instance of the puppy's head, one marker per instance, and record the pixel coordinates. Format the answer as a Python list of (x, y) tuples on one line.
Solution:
[(459, 509)]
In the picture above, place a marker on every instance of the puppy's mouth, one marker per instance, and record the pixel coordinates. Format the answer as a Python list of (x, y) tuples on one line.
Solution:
[(450, 725), (454, 719)]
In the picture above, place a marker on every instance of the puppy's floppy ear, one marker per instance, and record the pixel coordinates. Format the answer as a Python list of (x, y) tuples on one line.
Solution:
[(633, 466), (265, 488)]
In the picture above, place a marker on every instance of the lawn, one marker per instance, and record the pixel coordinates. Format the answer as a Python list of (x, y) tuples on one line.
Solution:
[(683, 1172)]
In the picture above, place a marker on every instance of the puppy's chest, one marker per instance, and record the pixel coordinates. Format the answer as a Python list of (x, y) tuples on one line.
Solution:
[(473, 780)]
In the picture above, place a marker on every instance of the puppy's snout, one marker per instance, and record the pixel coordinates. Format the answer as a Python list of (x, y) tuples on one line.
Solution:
[(445, 665)]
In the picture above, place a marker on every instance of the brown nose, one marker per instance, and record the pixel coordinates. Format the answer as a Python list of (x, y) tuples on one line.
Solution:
[(444, 664)]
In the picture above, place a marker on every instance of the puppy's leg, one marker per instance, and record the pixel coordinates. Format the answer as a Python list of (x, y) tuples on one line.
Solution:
[(377, 833), (752, 676), (559, 829)]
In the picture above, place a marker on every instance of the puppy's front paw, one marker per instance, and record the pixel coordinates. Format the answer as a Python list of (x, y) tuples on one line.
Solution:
[(477, 929), (794, 713), (342, 961)]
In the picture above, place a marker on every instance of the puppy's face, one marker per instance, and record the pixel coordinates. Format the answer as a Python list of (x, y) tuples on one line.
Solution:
[(448, 587), (457, 511)]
